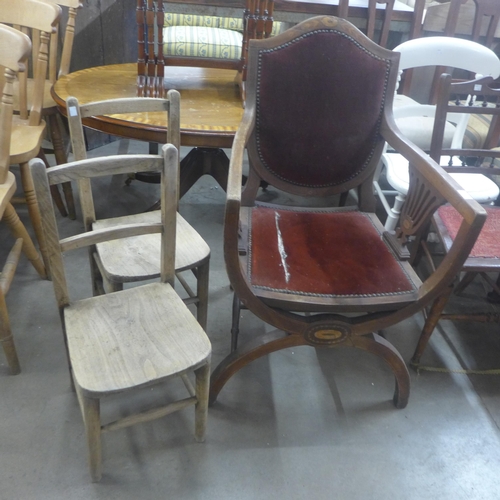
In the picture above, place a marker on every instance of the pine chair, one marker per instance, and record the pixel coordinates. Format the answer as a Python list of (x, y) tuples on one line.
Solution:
[(134, 338), (15, 47), (318, 110), (59, 65), (28, 128), (138, 259), (485, 255)]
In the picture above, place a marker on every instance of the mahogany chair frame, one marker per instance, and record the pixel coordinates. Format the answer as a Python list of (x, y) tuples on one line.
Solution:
[(329, 322), (449, 94)]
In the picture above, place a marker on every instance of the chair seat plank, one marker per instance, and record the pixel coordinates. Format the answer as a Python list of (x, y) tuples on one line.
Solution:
[(138, 258)]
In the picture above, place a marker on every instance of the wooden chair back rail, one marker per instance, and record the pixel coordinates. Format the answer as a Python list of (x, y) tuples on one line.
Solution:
[(489, 99), (77, 114), (114, 165)]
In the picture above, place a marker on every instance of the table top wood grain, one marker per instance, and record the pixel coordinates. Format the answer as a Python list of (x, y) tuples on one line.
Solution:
[(211, 105)]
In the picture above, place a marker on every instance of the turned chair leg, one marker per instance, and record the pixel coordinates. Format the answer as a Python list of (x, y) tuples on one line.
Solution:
[(18, 230), (34, 212)]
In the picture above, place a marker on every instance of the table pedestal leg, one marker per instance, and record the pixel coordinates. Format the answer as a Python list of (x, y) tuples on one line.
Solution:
[(201, 161), (198, 162)]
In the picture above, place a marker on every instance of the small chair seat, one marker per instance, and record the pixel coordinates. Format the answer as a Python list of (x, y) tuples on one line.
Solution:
[(287, 257), (487, 245), (124, 347), (25, 140), (138, 258), (479, 186), (202, 41)]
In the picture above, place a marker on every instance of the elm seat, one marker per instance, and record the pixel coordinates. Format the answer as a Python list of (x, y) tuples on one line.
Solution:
[(318, 112)]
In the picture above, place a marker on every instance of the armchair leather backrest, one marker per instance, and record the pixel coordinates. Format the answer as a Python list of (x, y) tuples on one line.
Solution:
[(319, 96)]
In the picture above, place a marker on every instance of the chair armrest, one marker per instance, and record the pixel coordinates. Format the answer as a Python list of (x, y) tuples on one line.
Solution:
[(430, 187)]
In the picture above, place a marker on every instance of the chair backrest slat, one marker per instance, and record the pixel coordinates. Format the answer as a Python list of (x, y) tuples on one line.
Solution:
[(166, 163), (78, 113), (42, 19)]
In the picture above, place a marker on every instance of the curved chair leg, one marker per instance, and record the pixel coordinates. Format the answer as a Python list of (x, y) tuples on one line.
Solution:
[(18, 230), (258, 347), (430, 323), (384, 349), (235, 325)]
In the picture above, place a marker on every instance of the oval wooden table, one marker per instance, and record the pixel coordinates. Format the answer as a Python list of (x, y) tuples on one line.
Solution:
[(211, 110)]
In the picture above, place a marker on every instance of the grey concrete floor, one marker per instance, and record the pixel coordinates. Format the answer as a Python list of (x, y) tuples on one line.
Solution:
[(301, 423)]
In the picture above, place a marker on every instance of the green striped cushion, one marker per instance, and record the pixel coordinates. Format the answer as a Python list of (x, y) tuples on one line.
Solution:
[(477, 130), (190, 20), (228, 23), (193, 41)]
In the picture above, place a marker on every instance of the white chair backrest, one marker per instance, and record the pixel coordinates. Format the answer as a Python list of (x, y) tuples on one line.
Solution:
[(449, 52)]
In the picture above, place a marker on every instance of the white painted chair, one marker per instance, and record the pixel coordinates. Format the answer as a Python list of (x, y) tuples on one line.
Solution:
[(417, 120)]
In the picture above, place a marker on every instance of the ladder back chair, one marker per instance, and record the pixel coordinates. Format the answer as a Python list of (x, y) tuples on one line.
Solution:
[(28, 128), (135, 338), (484, 257), (191, 40), (15, 47), (318, 110), (138, 259)]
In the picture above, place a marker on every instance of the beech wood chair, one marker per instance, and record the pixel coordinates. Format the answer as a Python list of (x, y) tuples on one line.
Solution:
[(138, 259), (15, 47), (318, 110), (28, 128), (134, 338), (59, 65), (485, 255)]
